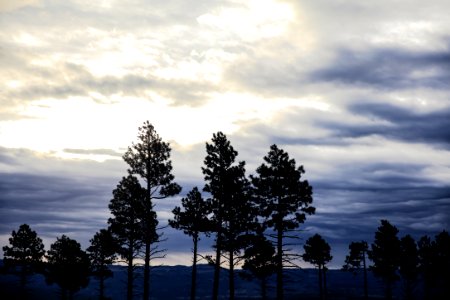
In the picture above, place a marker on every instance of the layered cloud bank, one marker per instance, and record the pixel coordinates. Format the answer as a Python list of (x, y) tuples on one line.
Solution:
[(356, 92)]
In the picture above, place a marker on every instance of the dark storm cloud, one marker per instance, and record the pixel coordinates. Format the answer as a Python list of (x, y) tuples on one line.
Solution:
[(52, 205), (396, 123), (389, 69)]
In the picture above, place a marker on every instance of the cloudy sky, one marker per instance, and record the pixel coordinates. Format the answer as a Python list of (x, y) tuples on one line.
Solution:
[(358, 92)]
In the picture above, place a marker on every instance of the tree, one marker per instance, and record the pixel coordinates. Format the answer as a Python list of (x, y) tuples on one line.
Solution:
[(193, 221), (442, 256), (284, 201), (260, 260), (150, 159), (26, 253), (317, 252), (357, 260), (427, 264), (126, 223), (384, 253), (102, 253), (68, 266), (408, 264), (230, 203)]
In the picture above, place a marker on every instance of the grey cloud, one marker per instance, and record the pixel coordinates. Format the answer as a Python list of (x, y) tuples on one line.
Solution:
[(402, 124), (388, 69), (108, 152)]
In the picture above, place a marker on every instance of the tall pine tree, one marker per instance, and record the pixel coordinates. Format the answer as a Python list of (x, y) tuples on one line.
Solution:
[(356, 260), (284, 201), (385, 254), (193, 220), (25, 253), (126, 223), (150, 159)]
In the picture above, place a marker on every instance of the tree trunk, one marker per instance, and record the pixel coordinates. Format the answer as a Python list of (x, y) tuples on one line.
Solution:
[(217, 266), (324, 282), (388, 289), (280, 264), (102, 287), (130, 274), (231, 278), (320, 283), (147, 271), (366, 289), (194, 269), (264, 288)]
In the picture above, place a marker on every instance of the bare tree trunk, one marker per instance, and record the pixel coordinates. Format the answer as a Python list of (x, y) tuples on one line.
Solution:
[(264, 288), (102, 287), (217, 266), (194, 269), (366, 289), (130, 274), (231, 278), (280, 264), (324, 270), (147, 271), (320, 283)]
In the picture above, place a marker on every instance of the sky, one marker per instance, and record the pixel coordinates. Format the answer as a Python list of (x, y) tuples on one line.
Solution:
[(358, 92)]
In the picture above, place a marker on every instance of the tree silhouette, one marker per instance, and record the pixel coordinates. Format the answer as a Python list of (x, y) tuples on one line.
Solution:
[(384, 253), (442, 256), (126, 223), (284, 201), (427, 264), (25, 253), (68, 266), (408, 264), (260, 260), (193, 221), (150, 159), (102, 253), (357, 260), (218, 162), (317, 252)]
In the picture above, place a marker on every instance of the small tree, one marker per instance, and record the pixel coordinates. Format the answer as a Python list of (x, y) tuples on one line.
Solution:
[(357, 260), (408, 264), (260, 261), (284, 201), (384, 253), (26, 253), (126, 223), (68, 266), (150, 159), (193, 221), (317, 252), (442, 242), (102, 253)]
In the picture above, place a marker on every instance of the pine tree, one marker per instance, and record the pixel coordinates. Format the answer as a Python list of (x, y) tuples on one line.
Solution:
[(150, 159), (408, 265), (284, 201), (357, 260), (384, 253), (221, 176), (25, 253), (442, 246), (102, 253), (193, 221), (126, 223), (68, 266), (260, 260), (317, 252)]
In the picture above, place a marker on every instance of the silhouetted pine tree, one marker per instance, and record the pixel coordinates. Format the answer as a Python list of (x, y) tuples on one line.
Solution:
[(150, 159), (408, 265), (357, 260), (220, 171), (193, 221), (25, 253), (384, 253), (317, 252), (442, 242), (284, 201), (102, 253), (260, 260), (126, 223), (67, 266)]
